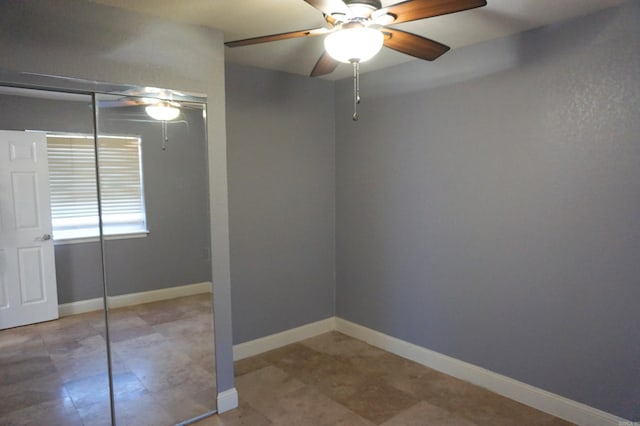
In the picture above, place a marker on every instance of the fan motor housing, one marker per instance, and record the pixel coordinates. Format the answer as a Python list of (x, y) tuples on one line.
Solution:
[(371, 3)]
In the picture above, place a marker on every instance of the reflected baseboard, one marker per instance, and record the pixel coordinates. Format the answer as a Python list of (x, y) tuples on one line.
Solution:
[(130, 299)]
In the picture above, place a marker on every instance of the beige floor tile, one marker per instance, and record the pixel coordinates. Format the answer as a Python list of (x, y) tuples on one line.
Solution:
[(95, 390), (185, 402), (248, 365), (92, 345), (159, 312), (487, 408), (141, 409), (25, 367), (262, 388), (132, 347), (387, 365), (31, 396), (308, 365), (65, 329), (335, 343), (87, 366), (44, 383), (164, 366), (309, 406), (59, 412), (98, 414), (244, 415), (122, 318), (186, 327), (20, 340), (423, 413), (128, 333), (377, 401), (199, 347)]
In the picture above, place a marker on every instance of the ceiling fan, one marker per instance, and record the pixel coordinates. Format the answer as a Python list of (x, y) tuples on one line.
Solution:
[(357, 30)]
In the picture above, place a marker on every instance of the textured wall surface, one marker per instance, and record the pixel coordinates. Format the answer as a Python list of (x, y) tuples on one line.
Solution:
[(281, 200), (493, 215), (74, 38)]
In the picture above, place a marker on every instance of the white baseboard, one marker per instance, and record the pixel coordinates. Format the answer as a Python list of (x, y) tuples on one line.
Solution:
[(227, 400), (97, 304), (542, 400), (274, 341), (532, 396), (80, 307)]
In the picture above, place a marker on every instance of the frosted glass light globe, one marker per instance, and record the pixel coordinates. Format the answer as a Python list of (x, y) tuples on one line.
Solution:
[(354, 44), (162, 112)]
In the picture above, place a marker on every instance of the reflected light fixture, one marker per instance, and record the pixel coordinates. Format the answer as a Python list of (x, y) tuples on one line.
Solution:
[(356, 44), (162, 111)]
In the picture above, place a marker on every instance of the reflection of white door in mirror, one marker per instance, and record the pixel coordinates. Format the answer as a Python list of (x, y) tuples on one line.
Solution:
[(27, 269)]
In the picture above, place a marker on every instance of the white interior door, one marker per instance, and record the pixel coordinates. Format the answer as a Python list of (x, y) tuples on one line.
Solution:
[(27, 269)]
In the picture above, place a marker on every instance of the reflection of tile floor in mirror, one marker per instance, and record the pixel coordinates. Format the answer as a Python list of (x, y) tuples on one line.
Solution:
[(54, 373), (333, 379)]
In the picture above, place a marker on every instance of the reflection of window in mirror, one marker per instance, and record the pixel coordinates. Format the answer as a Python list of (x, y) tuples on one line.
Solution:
[(72, 181)]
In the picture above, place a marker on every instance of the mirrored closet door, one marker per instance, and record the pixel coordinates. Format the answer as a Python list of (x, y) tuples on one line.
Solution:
[(155, 215), (105, 267), (53, 351)]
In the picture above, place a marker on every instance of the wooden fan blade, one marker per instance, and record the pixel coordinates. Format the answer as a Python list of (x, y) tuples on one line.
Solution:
[(325, 65), (411, 10), (276, 37), (413, 44), (330, 6), (121, 102)]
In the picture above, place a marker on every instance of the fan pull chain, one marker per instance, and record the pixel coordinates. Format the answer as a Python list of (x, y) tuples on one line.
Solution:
[(356, 89), (165, 136)]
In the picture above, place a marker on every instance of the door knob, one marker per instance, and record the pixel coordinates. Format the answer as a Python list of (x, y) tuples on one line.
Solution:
[(46, 237)]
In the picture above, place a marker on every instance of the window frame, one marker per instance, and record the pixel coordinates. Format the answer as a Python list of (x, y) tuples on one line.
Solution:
[(91, 232)]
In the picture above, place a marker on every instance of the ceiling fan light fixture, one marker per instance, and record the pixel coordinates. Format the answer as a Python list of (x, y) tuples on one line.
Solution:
[(162, 111), (354, 44)]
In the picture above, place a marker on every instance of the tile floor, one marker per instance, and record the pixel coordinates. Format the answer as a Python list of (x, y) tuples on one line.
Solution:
[(54, 373), (333, 379)]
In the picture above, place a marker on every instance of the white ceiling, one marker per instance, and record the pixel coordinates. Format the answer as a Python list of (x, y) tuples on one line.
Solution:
[(240, 19)]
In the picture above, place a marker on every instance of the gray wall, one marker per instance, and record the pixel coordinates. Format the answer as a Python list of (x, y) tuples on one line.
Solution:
[(492, 213), (75, 38), (281, 136)]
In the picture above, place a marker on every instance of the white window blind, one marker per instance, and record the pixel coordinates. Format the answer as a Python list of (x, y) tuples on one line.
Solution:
[(72, 180)]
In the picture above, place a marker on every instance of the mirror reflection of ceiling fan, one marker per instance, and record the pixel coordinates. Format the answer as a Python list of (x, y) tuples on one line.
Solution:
[(158, 109), (358, 29)]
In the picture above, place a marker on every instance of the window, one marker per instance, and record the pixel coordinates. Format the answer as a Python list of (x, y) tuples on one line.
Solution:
[(72, 181)]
